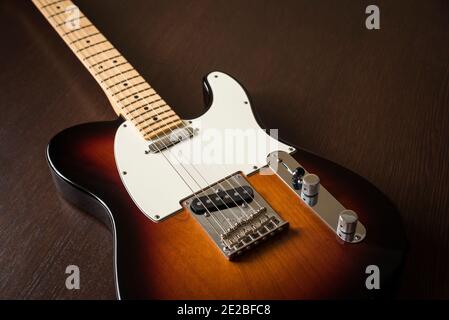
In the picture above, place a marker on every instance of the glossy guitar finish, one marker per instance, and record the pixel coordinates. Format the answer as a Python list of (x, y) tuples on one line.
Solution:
[(174, 259)]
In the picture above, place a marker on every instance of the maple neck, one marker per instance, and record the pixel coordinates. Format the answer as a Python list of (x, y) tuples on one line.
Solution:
[(130, 95)]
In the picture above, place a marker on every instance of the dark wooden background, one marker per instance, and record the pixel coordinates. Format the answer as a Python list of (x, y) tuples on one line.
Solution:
[(376, 102)]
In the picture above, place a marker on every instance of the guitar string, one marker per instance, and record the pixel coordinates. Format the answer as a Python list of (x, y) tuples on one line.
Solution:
[(194, 193), (207, 183), (198, 171)]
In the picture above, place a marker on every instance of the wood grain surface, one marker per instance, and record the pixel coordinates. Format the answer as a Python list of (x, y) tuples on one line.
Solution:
[(375, 102)]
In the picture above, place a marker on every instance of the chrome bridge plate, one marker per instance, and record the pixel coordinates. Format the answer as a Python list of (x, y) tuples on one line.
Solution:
[(239, 228)]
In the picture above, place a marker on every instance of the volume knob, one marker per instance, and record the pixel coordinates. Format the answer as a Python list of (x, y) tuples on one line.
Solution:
[(310, 185), (347, 224)]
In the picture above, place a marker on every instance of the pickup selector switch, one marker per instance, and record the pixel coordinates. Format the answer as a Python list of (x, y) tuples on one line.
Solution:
[(298, 175)]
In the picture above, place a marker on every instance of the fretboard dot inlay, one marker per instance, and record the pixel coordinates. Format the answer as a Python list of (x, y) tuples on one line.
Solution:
[(135, 99)]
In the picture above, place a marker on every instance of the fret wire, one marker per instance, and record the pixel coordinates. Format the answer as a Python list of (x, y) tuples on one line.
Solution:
[(50, 4), (110, 68), (93, 45), (136, 93), (159, 119), (178, 121), (105, 60), (131, 87), (85, 37), (153, 108), (107, 75), (140, 99)]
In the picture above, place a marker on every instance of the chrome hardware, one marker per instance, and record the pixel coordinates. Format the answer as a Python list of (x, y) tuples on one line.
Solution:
[(347, 223), (310, 185), (315, 196), (236, 229), (168, 140)]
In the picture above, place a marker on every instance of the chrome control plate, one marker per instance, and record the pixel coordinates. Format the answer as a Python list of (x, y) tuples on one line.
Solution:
[(324, 204), (237, 229)]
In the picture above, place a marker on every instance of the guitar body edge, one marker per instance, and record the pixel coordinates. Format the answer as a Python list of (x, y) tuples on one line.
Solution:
[(150, 262)]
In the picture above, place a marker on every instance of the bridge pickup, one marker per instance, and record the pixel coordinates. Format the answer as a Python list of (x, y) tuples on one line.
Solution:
[(222, 200), (169, 139), (235, 230)]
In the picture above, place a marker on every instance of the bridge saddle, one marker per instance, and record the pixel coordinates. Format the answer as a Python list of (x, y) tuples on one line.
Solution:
[(234, 215)]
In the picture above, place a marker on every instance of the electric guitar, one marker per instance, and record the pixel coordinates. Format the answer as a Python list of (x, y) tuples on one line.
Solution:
[(215, 207)]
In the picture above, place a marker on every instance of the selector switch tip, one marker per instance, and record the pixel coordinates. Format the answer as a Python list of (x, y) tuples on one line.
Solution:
[(297, 177)]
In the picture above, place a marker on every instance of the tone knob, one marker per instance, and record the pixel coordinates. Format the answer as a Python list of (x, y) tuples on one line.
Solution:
[(347, 223), (310, 185)]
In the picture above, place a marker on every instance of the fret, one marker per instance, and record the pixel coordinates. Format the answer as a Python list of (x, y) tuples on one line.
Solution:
[(85, 37), (146, 106), (161, 132), (99, 52), (50, 4), (160, 124), (130, 95), (156, 117), (124, 82), (113, 67), (78, 29), (118, 74), (139, 100), (105, 60), (136, 94), (161, 128), (154, 114), (55, 14), (92, 45), (70, 21), (130, 87)]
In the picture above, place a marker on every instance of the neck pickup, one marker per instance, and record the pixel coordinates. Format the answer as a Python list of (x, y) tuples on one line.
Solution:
[(171, 138)]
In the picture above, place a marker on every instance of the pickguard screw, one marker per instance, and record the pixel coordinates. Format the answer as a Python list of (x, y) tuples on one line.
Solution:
[(147, 152), (186, 203), (254, 167), (291, 149), (245, 102), (156, 217), (124, 172), (124, 125)]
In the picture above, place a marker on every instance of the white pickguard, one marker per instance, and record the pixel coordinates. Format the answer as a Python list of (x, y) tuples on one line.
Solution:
[(151, 179)]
